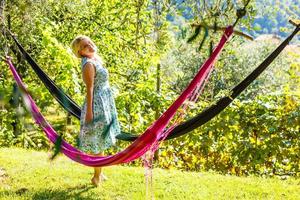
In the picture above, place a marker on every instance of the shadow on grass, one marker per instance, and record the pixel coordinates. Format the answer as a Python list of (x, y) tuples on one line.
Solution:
[(65, 193), (57, 194)]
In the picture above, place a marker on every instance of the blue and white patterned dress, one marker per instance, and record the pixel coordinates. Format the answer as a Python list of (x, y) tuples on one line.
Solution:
[(100, 134)]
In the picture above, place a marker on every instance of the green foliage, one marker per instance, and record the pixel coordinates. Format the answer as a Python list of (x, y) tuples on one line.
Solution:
[(273, 15), (250, 137), (257, 134)]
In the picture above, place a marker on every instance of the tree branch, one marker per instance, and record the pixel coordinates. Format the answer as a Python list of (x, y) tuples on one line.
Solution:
[(222, 29)]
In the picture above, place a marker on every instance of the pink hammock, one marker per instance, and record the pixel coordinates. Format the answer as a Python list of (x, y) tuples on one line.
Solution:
[(142, 144)]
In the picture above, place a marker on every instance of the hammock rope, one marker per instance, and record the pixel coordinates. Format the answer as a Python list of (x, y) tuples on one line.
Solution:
[(143, 143)]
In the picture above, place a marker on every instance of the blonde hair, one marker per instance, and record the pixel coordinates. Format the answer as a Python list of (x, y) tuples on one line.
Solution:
[(75, 44), (76, 47)]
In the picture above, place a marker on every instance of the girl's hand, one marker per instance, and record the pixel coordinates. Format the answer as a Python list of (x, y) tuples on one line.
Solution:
[(88, 117)]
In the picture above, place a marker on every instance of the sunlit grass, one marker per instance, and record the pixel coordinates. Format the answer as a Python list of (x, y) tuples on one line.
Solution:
[(28, 174)]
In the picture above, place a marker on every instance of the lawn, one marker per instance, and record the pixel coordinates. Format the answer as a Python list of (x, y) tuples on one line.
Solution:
[(28, 174)]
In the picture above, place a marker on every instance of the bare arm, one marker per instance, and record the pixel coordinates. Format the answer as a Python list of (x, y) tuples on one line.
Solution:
[(88, 78)]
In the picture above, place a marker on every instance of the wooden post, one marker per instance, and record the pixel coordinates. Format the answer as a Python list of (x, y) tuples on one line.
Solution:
[(15, 99), (2, 6), (158, 69), (158, 85), (139, 4)]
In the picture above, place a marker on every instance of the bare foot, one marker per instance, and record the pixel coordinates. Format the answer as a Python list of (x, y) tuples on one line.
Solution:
[(103, 177), (95, 181)]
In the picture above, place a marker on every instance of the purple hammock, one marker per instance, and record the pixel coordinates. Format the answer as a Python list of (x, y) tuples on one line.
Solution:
[(149, 139)]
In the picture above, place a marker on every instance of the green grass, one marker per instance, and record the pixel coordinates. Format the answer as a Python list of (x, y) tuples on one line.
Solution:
[(28, 174)]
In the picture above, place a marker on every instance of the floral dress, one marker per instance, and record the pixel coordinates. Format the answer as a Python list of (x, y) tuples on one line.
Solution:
[(100, 134)]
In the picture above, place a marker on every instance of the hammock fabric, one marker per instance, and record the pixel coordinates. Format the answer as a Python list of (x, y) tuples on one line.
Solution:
[(143, 143), (221, 104), (66, 101), (184, 127)]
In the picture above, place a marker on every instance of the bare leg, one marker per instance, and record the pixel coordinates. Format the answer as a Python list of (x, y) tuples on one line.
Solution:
[(97, 172)]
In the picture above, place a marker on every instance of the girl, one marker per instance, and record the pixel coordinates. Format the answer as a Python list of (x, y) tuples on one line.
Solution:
[(98, 122)]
